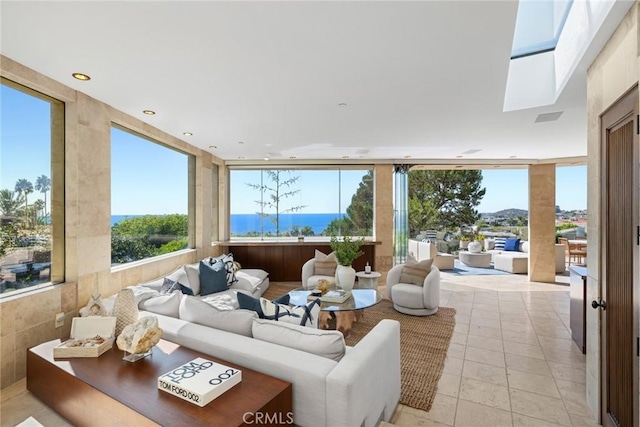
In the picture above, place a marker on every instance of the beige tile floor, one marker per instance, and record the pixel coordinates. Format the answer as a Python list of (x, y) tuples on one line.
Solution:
[(511, 361)]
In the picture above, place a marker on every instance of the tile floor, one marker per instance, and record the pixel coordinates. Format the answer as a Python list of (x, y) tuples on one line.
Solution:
[(511, 361)]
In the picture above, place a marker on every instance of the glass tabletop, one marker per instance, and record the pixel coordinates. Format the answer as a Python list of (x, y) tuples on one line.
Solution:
[(359, 299)]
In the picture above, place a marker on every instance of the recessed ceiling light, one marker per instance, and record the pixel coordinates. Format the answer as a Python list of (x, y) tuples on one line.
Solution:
[(213, 146), (342, 104), (187, 133), (240, 142), (458, 157), (266, 159), (149, 112), (240, 157), (407, 157), (292, 157), (513, 157), (345, 157), (81, 76)]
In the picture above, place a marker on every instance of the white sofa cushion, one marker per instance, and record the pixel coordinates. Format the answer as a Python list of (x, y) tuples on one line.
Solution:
[(167, 305), (193, 310), (193, 275), (329, 344)]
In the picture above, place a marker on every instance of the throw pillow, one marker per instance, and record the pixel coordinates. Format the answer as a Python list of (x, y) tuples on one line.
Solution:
[(169, 286), (303, 315), (213, 278), (167, 305), (236, 321), (248, 302), (325, 265), (193, 274), (329, 344), (512, 245), (415, 273), (229, 265), (498, 243)]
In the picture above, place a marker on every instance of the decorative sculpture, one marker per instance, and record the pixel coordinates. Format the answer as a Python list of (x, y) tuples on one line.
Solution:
[(95, 307), (138, 338), (125, 310)]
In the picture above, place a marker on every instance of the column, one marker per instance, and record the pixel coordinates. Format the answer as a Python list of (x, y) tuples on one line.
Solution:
[(401, 213), (383, 218), (542, 223)]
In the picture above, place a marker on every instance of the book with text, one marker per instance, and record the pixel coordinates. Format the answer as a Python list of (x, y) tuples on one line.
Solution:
[(199, 381)]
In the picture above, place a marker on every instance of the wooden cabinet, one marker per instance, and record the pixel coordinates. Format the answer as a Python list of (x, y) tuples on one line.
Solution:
[(578, 316), (283, 260)]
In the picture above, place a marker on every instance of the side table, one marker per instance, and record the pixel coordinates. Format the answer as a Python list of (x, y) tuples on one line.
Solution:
[(368, 280)]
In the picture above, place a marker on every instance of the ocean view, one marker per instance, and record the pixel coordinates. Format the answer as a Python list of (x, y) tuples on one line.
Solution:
[(244, 223)]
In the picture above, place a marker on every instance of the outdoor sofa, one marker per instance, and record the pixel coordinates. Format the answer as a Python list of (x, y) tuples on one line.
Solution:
[(517, 262)]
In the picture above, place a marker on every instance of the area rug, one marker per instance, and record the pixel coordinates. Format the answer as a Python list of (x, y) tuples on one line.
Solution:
[(424, 342), (460, 269)]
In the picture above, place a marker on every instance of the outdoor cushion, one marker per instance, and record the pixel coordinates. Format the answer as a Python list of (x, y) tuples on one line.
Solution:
[(512, 245), (498, 243)]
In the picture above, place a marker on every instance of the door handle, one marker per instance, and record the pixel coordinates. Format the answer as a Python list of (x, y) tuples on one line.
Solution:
[(599, 304)]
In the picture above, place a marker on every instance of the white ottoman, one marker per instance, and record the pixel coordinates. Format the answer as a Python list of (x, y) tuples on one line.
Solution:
[(482, 260), (444, 261), (516, 263)]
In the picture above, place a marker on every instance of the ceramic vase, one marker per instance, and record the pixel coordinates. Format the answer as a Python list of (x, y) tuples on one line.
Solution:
[(125, 310), (345, 277), (475, 247)]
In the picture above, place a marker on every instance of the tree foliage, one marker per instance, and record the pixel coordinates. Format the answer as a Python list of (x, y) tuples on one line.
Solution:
[(10, 203), (443, 199), (147, 236), (276, 192), (359, 218), (43, 184)]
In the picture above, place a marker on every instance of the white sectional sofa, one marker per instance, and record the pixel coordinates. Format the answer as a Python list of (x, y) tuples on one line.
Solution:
[(517, 262), (359, 387)]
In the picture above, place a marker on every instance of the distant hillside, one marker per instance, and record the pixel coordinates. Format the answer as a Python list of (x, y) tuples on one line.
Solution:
[(508, 213)]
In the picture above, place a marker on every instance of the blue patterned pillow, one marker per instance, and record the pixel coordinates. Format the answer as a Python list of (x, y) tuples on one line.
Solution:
[(170, 286), (303, 315), (499, 243), (227, 261)]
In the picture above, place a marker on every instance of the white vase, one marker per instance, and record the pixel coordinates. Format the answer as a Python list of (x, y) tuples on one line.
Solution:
[(475, 247), (345, 277)]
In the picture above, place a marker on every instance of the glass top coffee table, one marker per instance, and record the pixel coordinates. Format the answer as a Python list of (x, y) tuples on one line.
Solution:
[(345, 313)]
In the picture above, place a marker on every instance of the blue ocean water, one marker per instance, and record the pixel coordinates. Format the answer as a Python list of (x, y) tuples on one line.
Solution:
[(244, 223)]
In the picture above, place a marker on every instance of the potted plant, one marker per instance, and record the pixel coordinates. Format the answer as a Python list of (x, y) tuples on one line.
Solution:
[(346, 251), (464, 242)]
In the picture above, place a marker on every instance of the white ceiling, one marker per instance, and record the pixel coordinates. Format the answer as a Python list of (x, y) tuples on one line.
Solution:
[(420, 79)]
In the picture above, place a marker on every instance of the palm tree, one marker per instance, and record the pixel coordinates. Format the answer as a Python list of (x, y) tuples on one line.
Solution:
[(39, 207), (43, 184), (10, 203), (24, 187)]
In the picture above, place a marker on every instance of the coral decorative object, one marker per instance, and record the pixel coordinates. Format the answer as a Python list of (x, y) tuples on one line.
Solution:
[(139, 337), (125, 310)]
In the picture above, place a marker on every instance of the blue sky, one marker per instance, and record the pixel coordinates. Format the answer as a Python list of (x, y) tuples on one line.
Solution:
[(151, 179)]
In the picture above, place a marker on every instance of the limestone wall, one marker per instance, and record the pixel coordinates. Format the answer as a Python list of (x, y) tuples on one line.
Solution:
[(611, 75)]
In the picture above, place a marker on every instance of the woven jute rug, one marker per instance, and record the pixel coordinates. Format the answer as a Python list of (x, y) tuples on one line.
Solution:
[(424, 342)]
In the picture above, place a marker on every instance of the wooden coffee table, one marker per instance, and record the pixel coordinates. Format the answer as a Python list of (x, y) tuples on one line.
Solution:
[(106, 390)]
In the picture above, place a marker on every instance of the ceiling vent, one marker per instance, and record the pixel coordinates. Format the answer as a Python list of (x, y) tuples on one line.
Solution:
[(548, 117), (472, 151)]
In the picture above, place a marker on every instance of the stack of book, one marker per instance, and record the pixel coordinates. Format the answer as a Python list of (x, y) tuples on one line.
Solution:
[(336, 296)]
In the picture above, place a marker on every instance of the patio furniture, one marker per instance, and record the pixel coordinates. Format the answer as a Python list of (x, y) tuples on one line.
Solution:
[(412, 299), (575, 250), (482, 260)]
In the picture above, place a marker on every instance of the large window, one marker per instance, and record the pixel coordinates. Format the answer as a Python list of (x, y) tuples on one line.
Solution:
[(277, 203), (31, 189), (150, 191)]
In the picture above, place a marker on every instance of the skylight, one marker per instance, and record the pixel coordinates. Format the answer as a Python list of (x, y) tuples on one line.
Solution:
[(538, 26)]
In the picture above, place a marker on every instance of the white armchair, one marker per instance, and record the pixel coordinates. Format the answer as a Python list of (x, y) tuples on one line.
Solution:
[(310, 279), (411, 299)]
